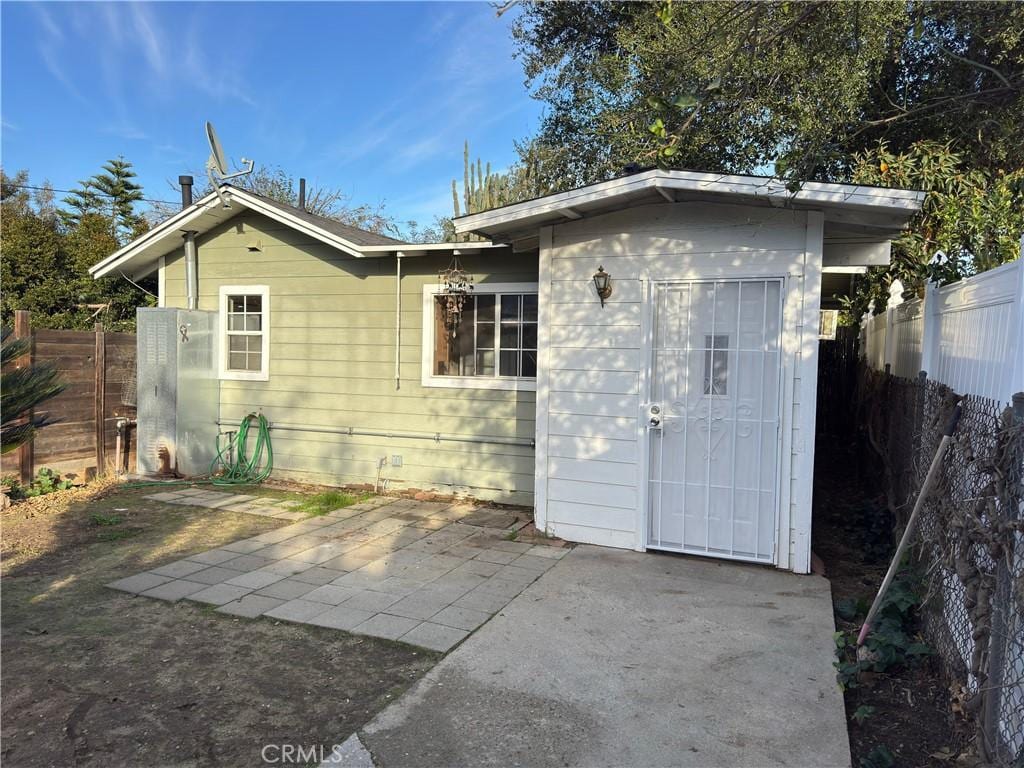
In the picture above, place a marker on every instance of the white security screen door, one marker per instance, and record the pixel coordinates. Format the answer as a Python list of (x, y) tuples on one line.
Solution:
[(714, 431)]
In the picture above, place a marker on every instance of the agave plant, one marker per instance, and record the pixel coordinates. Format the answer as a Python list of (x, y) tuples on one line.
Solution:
[(21, 390)]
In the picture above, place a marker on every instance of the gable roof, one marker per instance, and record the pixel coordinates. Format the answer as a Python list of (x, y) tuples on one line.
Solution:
[(142, 255), (351, 234), (879, 208)]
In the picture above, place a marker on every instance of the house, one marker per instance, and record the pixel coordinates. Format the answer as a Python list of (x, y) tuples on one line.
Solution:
[(675, 411)]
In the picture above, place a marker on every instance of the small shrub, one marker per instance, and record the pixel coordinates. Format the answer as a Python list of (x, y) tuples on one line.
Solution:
[(47, 481), (878, 757), (891, 643), (862, 713)]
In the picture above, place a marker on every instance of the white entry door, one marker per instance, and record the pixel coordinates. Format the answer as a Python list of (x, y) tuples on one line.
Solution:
[(714, 418)]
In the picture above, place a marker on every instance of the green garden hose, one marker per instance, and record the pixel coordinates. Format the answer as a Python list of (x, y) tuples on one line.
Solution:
[(242, 469), (238, 470)]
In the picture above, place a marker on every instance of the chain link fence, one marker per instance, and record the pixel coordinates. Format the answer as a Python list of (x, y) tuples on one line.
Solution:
[(971, 541)]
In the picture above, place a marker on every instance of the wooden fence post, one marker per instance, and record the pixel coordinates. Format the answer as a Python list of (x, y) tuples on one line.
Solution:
[(26, 459), (100, 364)]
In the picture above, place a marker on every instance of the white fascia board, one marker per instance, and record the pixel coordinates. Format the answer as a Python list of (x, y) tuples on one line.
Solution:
[(175, 224), (810, 193), (423, 249), (294, 222), (121, 259)]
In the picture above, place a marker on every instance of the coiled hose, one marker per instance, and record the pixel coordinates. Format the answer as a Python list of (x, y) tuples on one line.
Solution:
[(233, 465), (239, 469)]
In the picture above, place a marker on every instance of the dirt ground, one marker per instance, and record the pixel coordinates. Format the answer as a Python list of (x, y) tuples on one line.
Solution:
[(97, 677), (912, 716)]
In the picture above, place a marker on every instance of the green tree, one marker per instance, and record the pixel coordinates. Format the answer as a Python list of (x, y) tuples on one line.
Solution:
[(111, 193), (972, 220), (21, 390), (749, 86), (46, 258)]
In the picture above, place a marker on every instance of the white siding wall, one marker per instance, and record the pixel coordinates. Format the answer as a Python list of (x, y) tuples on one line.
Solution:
[(592, 382)]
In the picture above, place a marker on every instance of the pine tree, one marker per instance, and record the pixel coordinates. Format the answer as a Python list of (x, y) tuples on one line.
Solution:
[(111, 193)]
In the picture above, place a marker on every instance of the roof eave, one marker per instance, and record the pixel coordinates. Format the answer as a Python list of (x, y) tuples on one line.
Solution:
[(565, 205), (122, 259)]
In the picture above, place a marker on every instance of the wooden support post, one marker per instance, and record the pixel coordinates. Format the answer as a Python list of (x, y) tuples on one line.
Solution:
[(26, 459), (99, 410)]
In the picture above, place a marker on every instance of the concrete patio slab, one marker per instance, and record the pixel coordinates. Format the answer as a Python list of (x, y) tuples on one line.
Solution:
[(619, 658), (372, 568)]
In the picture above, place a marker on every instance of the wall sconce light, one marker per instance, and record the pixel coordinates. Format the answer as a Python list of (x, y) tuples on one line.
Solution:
[(603, 284)]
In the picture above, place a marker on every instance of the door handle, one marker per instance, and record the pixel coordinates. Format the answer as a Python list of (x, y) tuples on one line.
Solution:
[(654, 416)]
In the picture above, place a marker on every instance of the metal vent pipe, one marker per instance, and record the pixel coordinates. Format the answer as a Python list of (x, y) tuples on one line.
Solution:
[(191, 270), (302, 194), (186, 191)]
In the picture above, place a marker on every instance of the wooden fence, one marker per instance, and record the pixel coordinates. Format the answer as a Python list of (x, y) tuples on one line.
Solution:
[(98, 368)]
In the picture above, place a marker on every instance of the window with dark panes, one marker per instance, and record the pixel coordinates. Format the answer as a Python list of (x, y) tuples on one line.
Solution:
[(496, 336)]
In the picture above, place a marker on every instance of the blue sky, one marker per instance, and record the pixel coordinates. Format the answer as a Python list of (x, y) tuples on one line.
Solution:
[(372, 98)]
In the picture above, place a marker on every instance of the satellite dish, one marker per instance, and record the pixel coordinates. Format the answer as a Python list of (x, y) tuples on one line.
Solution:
[(217, 165)]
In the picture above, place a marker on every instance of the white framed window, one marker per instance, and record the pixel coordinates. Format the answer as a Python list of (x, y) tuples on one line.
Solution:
[(494, 345), (245, 332)]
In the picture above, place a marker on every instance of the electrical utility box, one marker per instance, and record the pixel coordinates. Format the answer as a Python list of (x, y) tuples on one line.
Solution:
[(178, 390)]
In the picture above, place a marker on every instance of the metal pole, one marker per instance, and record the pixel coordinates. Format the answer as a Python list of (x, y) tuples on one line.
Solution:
[(398, 319), (908, 533), (1002, 598)]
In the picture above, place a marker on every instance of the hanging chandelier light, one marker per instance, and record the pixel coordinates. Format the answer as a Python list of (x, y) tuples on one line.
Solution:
[(456, 286)]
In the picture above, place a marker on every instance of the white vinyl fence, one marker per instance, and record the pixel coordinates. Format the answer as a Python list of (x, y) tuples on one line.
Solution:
[(969, 335)]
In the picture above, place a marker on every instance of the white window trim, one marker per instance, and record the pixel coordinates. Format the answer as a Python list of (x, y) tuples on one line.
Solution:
[(252, 290), (469, 382)]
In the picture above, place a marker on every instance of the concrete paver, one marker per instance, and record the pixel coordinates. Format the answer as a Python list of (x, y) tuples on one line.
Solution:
[(287, 589), (219, 594), (386, 626), (174, 590), (139, 583), (250, 606), (436, 637)]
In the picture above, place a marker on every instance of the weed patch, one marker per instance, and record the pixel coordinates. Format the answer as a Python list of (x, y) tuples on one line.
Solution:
[(892, 643), (97, 518), (118, 534), (328, 501)]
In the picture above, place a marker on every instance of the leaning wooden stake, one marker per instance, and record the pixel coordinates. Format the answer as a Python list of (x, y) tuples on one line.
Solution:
[(908, 533)]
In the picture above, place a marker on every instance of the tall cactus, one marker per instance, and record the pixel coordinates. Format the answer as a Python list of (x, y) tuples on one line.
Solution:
[(482, 189)]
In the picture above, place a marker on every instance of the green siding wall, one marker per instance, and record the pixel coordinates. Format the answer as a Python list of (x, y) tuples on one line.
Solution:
[(332, 341)]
